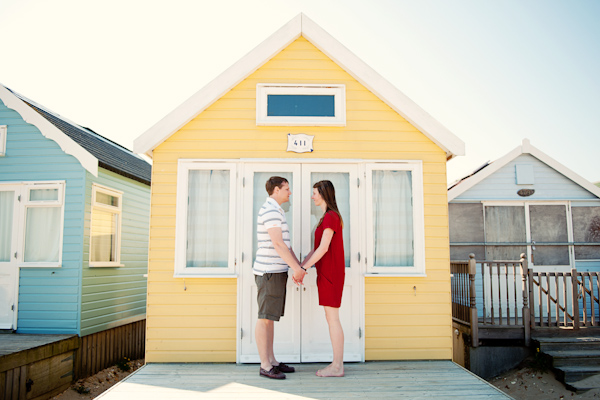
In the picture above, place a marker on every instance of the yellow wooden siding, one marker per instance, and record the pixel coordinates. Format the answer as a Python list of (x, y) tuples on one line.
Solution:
[(198, 323)]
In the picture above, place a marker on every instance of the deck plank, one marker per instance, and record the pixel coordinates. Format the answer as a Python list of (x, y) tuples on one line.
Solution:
[(371, 380)]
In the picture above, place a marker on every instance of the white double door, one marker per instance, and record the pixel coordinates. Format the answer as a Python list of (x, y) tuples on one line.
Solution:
[(302, 334)]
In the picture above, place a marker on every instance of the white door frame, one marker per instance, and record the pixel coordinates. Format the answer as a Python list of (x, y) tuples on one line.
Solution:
[(244, 249), (12, 275)]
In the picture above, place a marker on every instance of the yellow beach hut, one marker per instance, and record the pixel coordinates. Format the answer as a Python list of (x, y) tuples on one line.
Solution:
[(302, 106)]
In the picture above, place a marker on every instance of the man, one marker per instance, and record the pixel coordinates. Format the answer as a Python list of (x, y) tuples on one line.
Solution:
[(273, 258)]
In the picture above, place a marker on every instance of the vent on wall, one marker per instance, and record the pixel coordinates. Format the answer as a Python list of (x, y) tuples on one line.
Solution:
[(524, 174)]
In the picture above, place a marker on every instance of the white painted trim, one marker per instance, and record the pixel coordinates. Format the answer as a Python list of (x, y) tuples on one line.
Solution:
[(68, 145), (214, 90), (382, 88), (3, 130), (298, 160), (300, 25), (263, 90), (525, 148)]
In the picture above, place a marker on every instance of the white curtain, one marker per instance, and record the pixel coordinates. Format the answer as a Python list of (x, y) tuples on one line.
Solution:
[(393, 219), (42, 234), (208, 219), (6, 224), (103, 236)]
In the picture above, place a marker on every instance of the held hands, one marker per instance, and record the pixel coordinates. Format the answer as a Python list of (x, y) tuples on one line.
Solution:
[(298, 276)]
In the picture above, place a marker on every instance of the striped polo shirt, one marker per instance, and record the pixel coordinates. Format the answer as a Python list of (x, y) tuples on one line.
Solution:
[(270, 215)]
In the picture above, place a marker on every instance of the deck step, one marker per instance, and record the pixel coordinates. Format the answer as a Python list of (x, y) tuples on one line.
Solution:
[(563, 344), (568, 358), (592, 382), (574, 374), (575, 360)]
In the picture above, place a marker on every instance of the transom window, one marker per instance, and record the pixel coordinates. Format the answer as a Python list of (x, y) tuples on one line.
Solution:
[(306, 105), (105, 228)]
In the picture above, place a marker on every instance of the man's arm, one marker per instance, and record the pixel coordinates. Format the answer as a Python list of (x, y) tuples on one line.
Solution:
[(286, 253)]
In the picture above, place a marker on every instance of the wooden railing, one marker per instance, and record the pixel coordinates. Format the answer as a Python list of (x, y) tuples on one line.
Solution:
[(512, 295), (565, 299), (464, 300)]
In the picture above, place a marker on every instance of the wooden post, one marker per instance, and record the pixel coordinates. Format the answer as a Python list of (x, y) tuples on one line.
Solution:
[(531, 305), (575, 296), (473, 301), (525, 290)]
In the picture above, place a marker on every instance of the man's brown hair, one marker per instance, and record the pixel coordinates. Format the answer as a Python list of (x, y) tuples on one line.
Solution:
[(273, 182)]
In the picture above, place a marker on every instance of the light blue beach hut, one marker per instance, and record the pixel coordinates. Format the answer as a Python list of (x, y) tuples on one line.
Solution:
[(74, 215)]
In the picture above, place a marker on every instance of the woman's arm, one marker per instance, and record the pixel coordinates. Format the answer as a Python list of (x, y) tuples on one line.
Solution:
[(317, 254)]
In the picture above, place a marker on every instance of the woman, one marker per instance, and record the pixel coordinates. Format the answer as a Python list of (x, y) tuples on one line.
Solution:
[(328, 255)]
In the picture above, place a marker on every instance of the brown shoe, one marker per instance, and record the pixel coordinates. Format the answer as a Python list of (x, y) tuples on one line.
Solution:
[(285, 368), (273, 373)]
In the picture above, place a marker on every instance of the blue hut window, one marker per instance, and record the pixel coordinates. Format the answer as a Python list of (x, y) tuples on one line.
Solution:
[(304, 105), (293, 105)]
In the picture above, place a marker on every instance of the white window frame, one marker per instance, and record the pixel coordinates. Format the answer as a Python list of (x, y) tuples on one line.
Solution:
[(25, 204), (183, 170), (263, 90), (116, 210), (3, 134), (418, 269)]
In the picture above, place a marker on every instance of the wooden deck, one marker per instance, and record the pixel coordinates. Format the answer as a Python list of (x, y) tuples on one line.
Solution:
[(32, 366), (371, 380)]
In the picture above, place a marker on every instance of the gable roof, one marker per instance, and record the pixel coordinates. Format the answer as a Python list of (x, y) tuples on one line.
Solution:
[(89, 148), (466, 183), (301, 25)]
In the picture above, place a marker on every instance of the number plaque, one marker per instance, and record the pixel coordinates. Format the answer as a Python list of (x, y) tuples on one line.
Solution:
[(300, 143)]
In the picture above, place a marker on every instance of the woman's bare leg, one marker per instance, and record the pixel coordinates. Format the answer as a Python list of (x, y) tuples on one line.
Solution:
[(336, 368)]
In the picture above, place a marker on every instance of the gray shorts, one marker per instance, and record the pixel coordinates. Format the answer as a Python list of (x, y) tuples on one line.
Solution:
[(271, 289)]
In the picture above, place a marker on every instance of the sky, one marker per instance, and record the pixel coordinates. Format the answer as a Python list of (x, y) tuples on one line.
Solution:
[(493, 72)]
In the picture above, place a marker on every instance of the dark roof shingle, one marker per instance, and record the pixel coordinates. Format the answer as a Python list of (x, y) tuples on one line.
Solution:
[(110, 155)]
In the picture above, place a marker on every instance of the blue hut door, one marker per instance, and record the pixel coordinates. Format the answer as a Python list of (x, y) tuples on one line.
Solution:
[(9, 271)]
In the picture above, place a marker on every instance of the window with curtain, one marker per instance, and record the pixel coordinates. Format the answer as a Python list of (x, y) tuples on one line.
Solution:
[(205, 219), (43, 209), (396, 223), (105, 227)]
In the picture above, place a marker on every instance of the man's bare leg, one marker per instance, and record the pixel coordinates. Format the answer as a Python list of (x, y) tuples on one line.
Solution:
[(336, 368), (264, 342), (270, 342)]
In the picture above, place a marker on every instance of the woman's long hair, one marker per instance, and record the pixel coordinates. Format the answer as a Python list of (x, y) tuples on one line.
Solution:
[(327, 192)]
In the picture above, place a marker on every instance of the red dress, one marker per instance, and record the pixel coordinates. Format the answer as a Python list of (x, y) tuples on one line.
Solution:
[(331, 268)]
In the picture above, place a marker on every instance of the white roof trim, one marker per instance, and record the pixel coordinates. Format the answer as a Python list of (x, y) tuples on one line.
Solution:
[(301, 25), (68, 145), (525, 148)]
